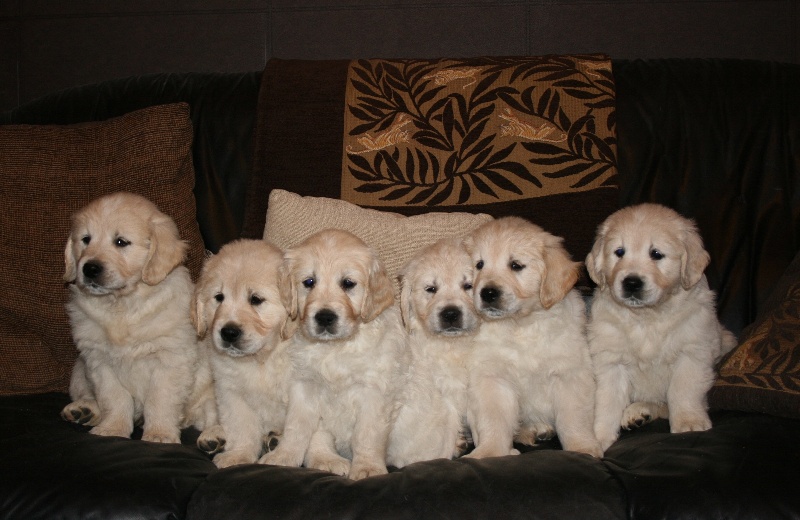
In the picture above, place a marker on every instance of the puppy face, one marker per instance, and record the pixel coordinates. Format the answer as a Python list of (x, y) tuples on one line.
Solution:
[(119, 240), (237, 299), (646, 253), (519, 268), (437, 295), (333, 282)]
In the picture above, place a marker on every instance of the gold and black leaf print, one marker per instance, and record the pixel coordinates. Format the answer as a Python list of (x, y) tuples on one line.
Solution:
[(458, 132), (770, 358)]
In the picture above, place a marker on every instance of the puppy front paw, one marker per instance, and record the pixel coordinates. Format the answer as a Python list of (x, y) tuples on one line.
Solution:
[(112, 429), (694, 422), (331, 463), (482, 452), (83, 411), (281, 457), (531, 434), (227, 459), (640, 413), (212, 440), (163, 435), (366, 468)]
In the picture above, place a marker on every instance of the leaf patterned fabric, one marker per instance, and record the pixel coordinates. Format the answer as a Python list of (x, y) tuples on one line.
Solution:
[(763, 372), (455, 132)]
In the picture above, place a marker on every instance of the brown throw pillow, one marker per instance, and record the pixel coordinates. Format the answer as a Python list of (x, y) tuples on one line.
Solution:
[(49, 172), (762, 374)]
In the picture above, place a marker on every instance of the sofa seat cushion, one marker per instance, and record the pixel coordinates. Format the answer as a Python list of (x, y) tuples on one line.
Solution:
[(744, 467), (55, 469)]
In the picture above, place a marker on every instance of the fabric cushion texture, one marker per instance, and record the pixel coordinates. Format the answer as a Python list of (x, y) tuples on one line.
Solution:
[(394, 237), (762, 374), (300, 141), (49, 172)]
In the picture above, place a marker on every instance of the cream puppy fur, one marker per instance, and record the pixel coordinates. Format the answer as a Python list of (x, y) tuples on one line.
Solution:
[(239, 311), (653, 333), (530, 371), (348, 357), (129, 309), (436, 302)]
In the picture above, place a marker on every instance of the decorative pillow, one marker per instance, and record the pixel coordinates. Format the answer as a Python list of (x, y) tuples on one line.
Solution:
[(532, 136), (762, 374), (396, 238), (49, 172)]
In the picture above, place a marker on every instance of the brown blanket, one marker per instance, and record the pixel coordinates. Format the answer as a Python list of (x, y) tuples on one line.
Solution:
[(528, 136)]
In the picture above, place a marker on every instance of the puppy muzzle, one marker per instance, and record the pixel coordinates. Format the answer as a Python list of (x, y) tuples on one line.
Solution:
[(230, 340), (326, 324), (91, 278), (490, 304), (632, 291), (451, 320)]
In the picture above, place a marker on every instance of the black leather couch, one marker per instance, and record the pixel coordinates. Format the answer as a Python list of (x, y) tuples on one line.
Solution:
[(718, 140)]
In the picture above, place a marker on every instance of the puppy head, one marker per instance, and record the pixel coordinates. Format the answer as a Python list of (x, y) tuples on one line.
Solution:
[(119, 240), (334, 282), (436, 295), (237, 299), (646, 253), (519, 268)]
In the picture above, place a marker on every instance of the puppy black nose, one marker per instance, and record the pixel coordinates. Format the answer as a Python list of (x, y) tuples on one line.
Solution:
[(325, 318), (632, 285), (450, 315), (92, 270), (230, 333), (490, 294)]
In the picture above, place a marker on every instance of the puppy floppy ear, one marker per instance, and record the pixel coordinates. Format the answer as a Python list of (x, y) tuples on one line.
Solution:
[(406, 308), (379, 296), (288, 291), (288, 328), (594, 260), (198, 312), (694, 259), (70, 262), (560, 273), (167, 250)]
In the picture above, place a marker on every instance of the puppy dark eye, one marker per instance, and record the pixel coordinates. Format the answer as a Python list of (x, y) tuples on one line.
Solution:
[(467, 286), (219, 297), (516, 266), (121, 242), (348, 284), (479, 265), (309, 283), (619, 252), (86, 239), (655, 254), (256, 300), (430, 289)]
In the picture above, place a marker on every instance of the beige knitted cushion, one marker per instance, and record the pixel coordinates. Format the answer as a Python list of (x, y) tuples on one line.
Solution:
[(396, 238)]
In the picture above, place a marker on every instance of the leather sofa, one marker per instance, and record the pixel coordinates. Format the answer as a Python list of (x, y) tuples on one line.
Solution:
[(718, 140)]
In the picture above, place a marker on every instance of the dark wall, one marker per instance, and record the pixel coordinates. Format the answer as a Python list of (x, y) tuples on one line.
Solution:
[(47, 45)]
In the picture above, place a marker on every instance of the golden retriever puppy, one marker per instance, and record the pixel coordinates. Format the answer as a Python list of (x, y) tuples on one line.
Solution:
[(530, 371), (348, 357), (653, 331), (129, 308), (436, 303), (239, 311)]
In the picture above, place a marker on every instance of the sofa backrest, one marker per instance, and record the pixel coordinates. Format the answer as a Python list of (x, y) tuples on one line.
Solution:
[(717, 140)]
